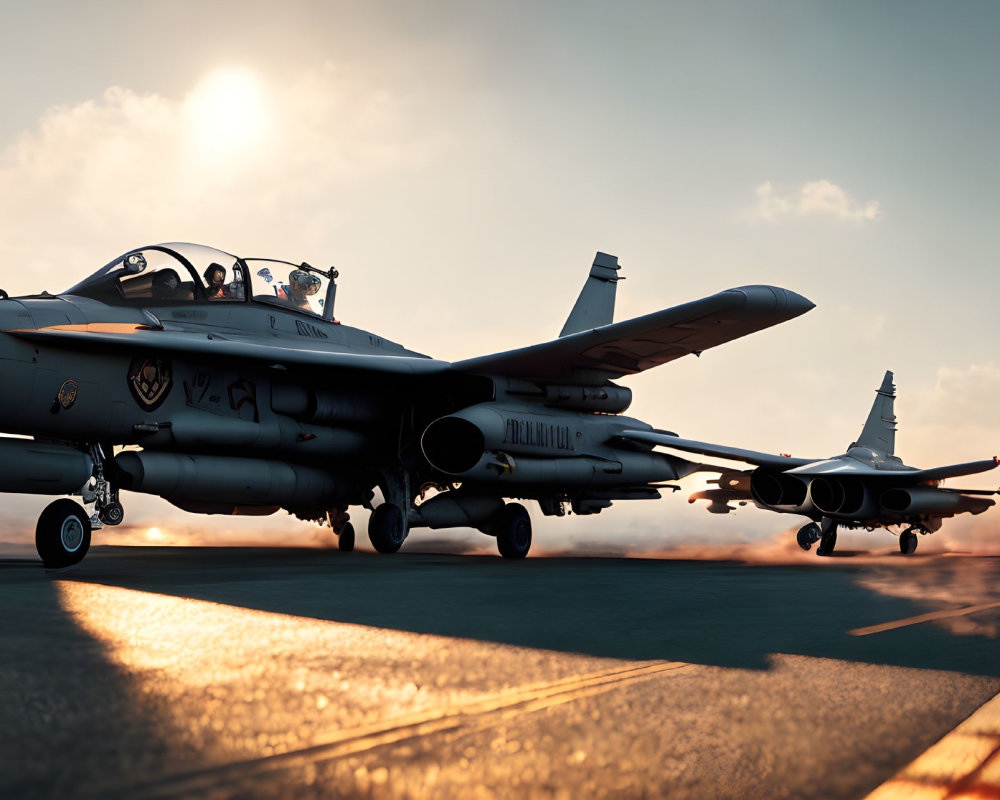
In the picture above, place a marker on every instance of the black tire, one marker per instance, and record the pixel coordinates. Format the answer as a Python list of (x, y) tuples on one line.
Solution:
[(512, 527), (112, 514), (827, 542), (345, 541), (907, 543), (387, 528), (807, 535), (62, 535)]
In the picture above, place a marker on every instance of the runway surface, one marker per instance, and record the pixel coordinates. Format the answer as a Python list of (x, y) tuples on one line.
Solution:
[(223, 673)]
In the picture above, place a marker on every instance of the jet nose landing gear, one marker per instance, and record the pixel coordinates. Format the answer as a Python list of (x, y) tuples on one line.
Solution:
[(907, 542), (62, 536)]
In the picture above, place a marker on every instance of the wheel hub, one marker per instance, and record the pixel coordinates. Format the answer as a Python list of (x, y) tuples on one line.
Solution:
[(71, 534), (521, 535)]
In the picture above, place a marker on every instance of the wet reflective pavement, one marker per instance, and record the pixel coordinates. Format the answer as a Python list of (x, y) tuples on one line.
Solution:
[(201, 672)]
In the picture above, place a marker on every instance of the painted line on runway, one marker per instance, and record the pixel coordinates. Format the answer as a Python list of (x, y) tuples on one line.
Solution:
[(964, 764), (933, 615), (467, 718)]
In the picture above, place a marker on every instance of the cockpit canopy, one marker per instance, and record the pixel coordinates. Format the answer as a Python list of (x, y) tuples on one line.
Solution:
[(180, 273)]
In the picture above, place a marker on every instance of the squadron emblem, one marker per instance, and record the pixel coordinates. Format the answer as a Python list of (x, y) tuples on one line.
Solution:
[(67, 393), (150, 381)]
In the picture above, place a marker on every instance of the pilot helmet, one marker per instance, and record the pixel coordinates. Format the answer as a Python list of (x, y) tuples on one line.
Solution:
[(302, 281), (210, 272)]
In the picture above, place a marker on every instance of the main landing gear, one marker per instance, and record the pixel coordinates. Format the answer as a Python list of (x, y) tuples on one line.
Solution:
[(825, 532), (512, 527), (387, 528), (390, 522), (340, 523)]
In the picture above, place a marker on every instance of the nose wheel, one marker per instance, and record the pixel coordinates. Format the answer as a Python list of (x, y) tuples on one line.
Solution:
[(62, 536), (907, 542)]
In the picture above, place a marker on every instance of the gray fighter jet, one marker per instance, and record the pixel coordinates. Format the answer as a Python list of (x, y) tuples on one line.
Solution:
[(866, 487), (226, 386)]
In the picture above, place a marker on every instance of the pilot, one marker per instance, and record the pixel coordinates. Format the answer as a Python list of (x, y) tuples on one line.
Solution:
[(301, 286), (167, 286), (215, 281)]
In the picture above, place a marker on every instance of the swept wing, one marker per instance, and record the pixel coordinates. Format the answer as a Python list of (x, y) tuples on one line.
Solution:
[(624, 348)]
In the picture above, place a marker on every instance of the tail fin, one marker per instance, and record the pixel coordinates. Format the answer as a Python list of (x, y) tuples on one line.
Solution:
[(879, 432), (595, 307)]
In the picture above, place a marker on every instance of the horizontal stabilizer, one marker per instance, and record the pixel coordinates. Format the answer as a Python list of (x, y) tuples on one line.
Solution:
[(956, 470), (717, 450), (858, 469), (624, 348)]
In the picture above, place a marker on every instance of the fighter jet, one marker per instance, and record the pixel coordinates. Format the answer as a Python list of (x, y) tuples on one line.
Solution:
[(867, 487), (226, 386)]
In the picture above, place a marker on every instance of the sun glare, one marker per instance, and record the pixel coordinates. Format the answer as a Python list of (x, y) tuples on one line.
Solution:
[(226, 111), (154, 535)]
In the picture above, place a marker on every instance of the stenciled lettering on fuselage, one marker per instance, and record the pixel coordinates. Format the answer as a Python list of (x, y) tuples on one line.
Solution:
[(149, 381), (305, 329), (537, 433)]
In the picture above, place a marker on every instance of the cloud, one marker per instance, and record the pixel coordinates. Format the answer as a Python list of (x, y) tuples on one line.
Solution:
[(236, 161), (814, 199)]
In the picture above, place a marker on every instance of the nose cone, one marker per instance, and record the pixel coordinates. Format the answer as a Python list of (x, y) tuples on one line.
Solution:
[(774, 302)]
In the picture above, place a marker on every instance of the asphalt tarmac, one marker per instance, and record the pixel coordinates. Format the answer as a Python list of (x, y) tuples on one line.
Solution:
[(237, 673)]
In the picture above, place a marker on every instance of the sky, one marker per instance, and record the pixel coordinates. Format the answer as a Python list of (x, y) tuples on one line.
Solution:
[(461, 162)]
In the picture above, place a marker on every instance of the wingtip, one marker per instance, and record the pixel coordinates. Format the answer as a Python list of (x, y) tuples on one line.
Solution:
[(782, 301)]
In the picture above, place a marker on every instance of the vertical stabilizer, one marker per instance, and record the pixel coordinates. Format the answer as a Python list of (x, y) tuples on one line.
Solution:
[(879, 432), (595, 306)]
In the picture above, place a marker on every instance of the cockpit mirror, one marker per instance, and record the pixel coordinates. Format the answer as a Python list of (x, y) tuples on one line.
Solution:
[(135, 263)]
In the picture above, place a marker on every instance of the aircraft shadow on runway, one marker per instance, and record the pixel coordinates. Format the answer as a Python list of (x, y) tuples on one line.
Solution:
[(69, 711), (720, 613)]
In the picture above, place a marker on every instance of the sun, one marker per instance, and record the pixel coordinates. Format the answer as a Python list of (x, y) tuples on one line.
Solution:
[(225, 110)]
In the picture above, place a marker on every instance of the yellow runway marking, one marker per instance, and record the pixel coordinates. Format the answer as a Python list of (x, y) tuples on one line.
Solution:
[(933, 615), (468, 718), (964, 764)]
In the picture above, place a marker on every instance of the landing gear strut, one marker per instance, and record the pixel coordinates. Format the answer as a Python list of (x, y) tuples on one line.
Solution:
[(907, 542), (828, 537), (62, 536), (107, 509)]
